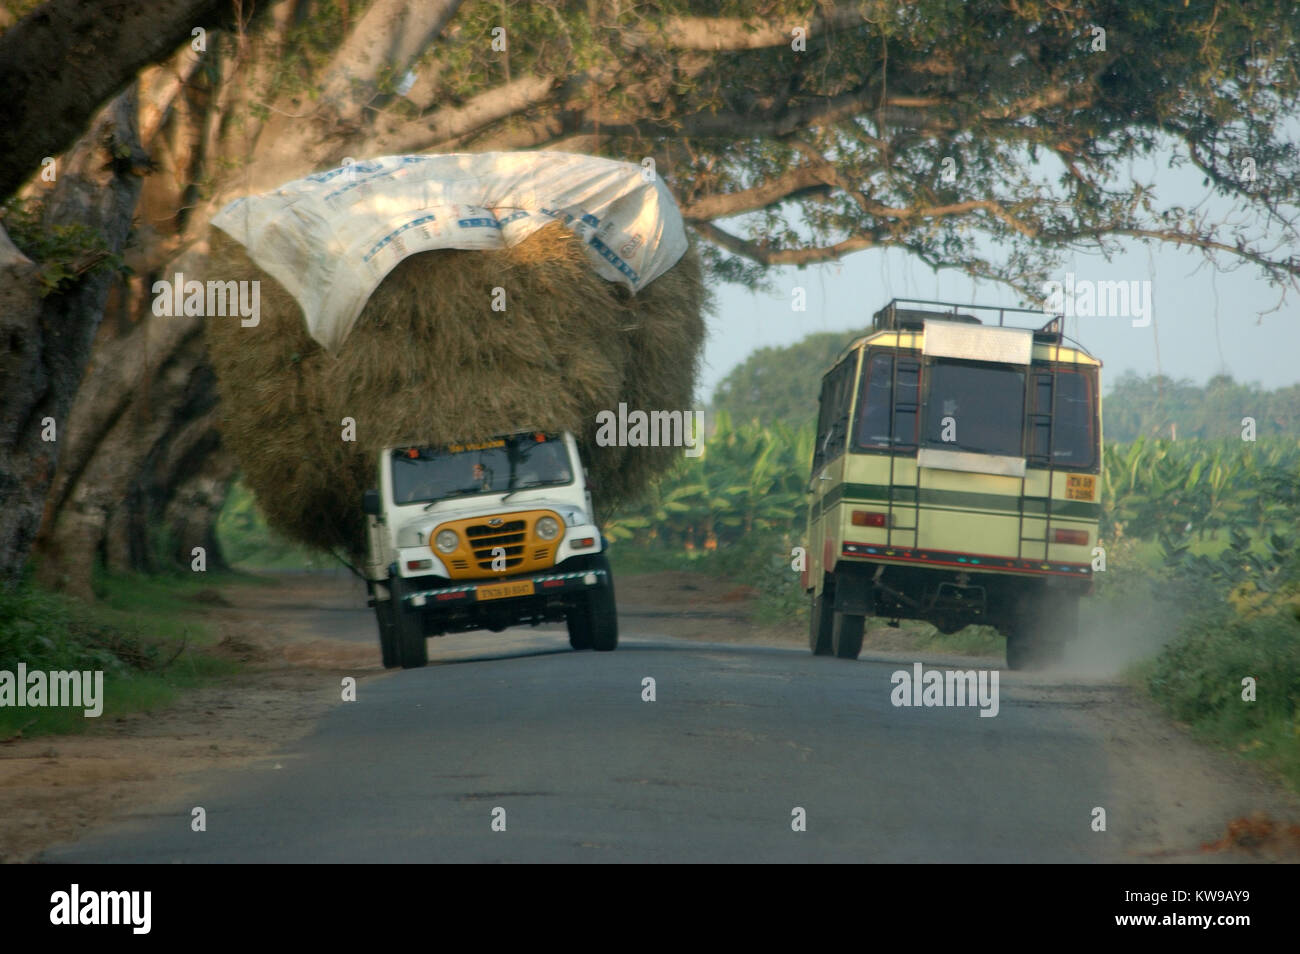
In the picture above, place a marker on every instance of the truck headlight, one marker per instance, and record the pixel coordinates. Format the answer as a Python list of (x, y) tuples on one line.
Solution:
[(548, 528), (446, 541)]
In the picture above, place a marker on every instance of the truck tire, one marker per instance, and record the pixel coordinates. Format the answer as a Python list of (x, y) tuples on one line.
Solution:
[(602, 610), (593, 621), (408, 630), (846, 635), (819, 622), (387, 634), (578, 619)]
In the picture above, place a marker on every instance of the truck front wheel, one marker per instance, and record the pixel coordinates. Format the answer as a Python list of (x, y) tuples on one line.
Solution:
[(387, 634), (578, 619), (408, 631), (593, 622)]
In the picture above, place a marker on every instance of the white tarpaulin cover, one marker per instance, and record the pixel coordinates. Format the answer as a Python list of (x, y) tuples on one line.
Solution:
[(331, 238)]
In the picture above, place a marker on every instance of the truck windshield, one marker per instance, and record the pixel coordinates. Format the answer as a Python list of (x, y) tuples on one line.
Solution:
[(430, 474), (975, 407)]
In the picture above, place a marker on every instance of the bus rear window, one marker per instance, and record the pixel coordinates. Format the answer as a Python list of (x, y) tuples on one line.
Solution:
[(1073, 427), (886, 398), (874, 402), (974, 407)]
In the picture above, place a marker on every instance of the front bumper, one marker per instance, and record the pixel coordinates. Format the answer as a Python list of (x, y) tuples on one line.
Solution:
[(436, 592)]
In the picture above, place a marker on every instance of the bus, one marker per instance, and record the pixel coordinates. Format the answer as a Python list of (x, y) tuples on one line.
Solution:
[(956, 479)]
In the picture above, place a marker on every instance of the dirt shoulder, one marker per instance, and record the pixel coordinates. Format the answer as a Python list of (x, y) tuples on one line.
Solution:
[(56, 788)]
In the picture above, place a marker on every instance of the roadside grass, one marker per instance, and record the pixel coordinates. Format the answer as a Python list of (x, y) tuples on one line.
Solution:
[(971, 641), (146, 634), (1200, 677), (1210, 622)]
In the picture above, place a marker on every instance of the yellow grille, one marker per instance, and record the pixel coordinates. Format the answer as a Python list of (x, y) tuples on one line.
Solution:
[(514, 533), (484, 539)]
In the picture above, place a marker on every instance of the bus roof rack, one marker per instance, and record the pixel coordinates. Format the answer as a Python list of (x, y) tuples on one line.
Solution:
[(892, 317)]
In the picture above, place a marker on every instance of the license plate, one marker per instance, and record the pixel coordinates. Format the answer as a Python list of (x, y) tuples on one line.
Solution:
[(1080, 487), (501, 591)]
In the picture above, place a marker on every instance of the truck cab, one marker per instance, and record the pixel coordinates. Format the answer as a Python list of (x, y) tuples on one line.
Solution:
[(483, 535)]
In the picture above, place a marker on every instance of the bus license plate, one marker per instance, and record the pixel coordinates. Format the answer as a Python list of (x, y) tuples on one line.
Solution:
[(1080, 487), (501, 591)]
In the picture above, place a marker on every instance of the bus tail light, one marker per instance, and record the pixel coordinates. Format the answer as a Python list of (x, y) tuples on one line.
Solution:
[(1078, 538), (866, 518)]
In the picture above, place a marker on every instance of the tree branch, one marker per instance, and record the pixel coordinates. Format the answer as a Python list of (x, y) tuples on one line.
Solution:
[(779, 189), (63, 61), (766, 255), (735, 33), (391, 35)]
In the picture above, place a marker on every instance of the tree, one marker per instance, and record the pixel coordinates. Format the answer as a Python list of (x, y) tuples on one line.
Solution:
[(781, 385), (1155, 406), (49, 315), (794, 135), (63, 61)]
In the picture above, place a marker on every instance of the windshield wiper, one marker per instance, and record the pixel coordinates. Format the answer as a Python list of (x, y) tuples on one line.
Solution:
[(463, 492), (531, 486)]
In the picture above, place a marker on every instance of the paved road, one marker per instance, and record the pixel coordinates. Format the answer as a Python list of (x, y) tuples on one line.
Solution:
[(738, 737)]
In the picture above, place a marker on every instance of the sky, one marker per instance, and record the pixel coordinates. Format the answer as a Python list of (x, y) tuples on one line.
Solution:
[(1203, 321)]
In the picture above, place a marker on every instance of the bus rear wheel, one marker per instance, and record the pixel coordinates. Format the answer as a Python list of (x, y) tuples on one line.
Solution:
[(819, 623), (846, 635), (1042, 626)]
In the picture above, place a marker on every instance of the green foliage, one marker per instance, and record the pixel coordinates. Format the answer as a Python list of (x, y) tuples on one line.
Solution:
[(1154, 406), (1155, 489), (1198, 679), (309, 45), (1043, 127), (780, 385), (46, 631), (247, 542), (65, 253), (142, 635), (749, 480), (1233, 613)]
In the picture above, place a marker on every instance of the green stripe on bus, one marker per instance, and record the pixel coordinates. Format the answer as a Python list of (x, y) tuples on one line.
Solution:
[(958, 499)]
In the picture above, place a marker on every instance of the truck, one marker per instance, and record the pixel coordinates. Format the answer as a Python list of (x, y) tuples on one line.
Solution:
[(956, 479), (483, 535)]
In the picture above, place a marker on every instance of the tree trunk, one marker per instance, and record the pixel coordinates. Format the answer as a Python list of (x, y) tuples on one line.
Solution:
[(145, 465), (64, 60), (142, 472), (47, 341)]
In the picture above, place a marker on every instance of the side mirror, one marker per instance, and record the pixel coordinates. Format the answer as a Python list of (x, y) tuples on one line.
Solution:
[(370, 502)]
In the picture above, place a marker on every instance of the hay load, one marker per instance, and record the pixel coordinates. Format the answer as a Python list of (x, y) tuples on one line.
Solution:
[(427, 360)]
